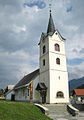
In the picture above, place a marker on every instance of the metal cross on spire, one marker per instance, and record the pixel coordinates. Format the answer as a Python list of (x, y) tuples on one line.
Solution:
[(50, 7), (51, 27)]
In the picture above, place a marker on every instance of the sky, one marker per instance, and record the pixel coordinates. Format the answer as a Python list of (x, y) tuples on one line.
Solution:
[(21, 25)]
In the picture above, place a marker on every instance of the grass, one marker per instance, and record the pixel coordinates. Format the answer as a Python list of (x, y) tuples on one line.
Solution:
[(20, 111)]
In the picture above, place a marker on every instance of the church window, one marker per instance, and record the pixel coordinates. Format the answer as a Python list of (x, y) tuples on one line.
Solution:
[(43, 62), (58, 61), (23, 92), (44, 49), (60, 94), (57, 47), (28, 92), (59, 77)]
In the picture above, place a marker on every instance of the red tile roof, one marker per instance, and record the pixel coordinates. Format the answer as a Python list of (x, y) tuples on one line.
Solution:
[(79, 91)]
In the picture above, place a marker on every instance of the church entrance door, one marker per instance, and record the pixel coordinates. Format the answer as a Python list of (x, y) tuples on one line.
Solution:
[(12, 97), (44, 99), (41, 87), (43, 95)]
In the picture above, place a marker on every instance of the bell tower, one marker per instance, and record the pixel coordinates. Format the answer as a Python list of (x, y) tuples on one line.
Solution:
[(53, 69)]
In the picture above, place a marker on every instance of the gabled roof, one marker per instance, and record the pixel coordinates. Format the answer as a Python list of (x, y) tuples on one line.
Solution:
[(79, 92), (60, 35), (51, 27), (41, 86), (27, 79)]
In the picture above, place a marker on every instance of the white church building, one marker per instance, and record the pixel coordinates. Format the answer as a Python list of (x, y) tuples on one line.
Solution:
[(49, 83)]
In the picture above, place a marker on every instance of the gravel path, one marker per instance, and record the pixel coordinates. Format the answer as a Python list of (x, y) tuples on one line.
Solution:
[(59, 112)]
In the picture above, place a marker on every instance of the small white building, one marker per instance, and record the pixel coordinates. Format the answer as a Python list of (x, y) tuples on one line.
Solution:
[(10, 95), (9, 92), (78, 95), (9, 87), (48, 84)]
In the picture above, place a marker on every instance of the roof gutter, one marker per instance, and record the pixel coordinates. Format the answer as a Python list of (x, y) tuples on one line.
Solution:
[(22, 86)]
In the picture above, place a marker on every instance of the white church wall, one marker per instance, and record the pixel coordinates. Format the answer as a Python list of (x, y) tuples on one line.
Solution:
[(42, 43), (44, 78), (44, 70), (54, 65), (58, 72), (22, 94), (53, 54), (46, 67), (56, 39), (36, 94), (44, 56), (58, 82)]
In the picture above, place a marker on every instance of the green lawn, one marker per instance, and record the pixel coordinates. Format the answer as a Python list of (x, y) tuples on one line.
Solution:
[(20, 111)]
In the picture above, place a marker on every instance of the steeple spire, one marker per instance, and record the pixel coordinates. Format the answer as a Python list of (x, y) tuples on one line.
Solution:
[(51, 27)]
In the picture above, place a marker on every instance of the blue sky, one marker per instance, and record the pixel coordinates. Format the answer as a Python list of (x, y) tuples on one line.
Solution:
[(21, 25), (73, 62), (39, 3)]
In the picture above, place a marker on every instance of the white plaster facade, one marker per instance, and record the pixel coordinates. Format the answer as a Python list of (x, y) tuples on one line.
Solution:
[(36, 95), (50, 73), (23, 94)]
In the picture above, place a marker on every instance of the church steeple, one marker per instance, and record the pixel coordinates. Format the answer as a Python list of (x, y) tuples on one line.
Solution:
[(51, 27)]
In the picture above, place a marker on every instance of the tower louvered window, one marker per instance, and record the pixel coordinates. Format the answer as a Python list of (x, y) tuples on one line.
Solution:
[(44, 49), (57, 47), (58, 61)]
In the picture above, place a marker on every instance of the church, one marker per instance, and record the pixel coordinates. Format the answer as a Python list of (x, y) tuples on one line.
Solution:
[(49, 83)]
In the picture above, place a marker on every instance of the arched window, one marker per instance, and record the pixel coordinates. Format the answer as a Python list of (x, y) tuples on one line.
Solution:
[(60, 94), (57, 47), (58, 61), (44, 49), (28, 91), (43, 62)]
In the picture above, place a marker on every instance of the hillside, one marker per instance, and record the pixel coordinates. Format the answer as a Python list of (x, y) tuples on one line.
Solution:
[(20, 111), (81, 87), (75, 83)]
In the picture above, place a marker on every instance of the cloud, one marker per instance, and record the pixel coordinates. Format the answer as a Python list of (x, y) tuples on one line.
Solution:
[(81, 51), (76, 42), (75, 50), (18, 29), (39, 3), (15, 65), (76, 71), (16, 32), (11, 7)]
